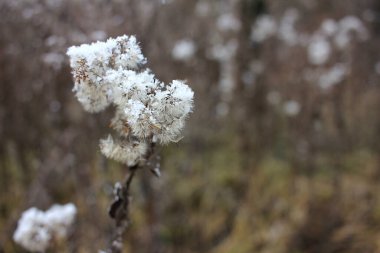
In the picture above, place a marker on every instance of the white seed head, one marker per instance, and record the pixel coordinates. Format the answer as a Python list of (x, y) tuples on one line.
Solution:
[(108, 73), (124, 151)]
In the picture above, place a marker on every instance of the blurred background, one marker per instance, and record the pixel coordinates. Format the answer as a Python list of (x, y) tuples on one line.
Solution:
[(281, 154)]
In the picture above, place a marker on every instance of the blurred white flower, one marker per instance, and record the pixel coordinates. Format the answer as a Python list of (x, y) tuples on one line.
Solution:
[(292, 108), (59, 218), (228, 22), (53, 59), (224, 52), (31, 232), (183, 50), (333, 76), (263, 29), (329, 27), (318, 50), (36, 228), (348, 26), (287, 31)]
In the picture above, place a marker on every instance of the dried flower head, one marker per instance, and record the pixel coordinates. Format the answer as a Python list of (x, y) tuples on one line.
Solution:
[(147, 110)]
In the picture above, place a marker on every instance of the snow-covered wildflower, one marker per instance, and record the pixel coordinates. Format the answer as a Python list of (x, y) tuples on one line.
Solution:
[(183, 50), (36, 229), (110, 73), (91, 62)]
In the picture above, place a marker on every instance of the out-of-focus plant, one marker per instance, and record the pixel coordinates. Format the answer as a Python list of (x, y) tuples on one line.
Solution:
[(147, 110), (38, 230)]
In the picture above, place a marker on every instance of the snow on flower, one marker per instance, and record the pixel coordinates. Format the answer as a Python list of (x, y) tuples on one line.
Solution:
[(90, 63), (110, 73)]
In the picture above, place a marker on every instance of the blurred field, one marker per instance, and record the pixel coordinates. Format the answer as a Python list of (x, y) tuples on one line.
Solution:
[(281, 154)]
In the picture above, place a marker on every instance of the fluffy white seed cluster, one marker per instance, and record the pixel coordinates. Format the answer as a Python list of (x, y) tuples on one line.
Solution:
[(109, 73), (90, 64), (37, 229)]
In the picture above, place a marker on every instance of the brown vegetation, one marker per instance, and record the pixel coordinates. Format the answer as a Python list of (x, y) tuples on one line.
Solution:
[(248, 177)]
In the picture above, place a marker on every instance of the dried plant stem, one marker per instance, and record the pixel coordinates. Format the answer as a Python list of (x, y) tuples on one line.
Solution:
[(122, 218), (119, 210)]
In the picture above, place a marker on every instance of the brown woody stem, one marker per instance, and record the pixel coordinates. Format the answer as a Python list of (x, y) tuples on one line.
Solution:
[(119, 210)]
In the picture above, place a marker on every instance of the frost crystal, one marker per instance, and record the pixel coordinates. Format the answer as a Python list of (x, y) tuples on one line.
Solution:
[(36, 228), (109, 73)]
